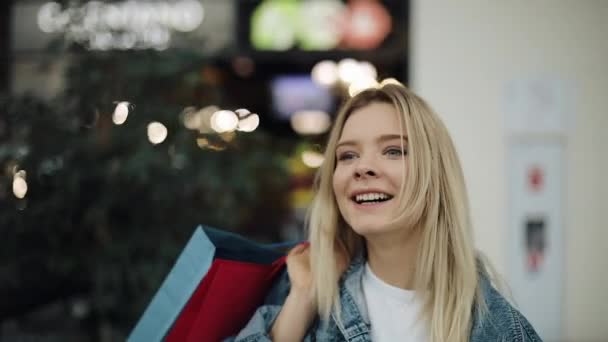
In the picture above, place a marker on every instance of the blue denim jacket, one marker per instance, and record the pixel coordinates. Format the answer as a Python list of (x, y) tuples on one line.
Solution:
[(502, 322)]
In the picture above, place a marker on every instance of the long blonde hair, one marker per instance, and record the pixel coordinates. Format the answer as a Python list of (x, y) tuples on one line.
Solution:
[(434, 199)]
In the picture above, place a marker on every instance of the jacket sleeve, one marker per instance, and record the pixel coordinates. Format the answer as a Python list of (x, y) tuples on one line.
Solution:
[(258, 328)]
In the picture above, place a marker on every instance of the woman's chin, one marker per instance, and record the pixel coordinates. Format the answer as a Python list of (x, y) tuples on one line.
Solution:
[(371, 229)]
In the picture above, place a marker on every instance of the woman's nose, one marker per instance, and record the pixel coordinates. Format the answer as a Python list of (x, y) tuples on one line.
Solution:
[(363, 171)]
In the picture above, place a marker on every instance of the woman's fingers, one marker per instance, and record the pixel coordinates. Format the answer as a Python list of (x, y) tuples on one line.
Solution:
[(298, 268), (298, 249)]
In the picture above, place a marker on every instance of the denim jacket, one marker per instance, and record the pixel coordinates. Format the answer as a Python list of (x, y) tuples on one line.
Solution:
[(502, 322)]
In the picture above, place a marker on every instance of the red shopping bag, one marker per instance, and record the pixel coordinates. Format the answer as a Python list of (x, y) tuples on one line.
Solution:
[(224, 301)]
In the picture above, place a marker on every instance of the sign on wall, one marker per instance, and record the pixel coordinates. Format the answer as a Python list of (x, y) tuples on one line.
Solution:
[(539, 113)]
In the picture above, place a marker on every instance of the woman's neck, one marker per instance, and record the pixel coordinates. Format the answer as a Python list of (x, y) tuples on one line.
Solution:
[(392, 257)]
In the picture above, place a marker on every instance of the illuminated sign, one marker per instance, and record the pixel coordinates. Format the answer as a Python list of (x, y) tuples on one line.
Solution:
[(280, 25), (121, 25)]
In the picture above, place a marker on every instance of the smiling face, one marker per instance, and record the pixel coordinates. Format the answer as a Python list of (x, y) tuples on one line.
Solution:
[(370, 168)]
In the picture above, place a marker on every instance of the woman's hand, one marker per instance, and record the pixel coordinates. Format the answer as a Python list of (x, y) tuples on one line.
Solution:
[(300, 308), (298, 268)]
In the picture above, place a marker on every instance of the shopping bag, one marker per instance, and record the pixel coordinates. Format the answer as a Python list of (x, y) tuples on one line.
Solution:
[(175, 291), (226, 299), (216, 284)]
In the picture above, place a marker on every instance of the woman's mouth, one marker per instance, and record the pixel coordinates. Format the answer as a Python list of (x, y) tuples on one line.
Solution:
[(371, 198)]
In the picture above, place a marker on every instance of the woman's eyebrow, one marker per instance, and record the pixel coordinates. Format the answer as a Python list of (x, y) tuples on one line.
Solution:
[(382, 138), (387, 137), (346, 143)]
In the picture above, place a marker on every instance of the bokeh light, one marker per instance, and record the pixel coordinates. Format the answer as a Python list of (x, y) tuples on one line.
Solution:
[(121, 112), (325, 73), (187, 15), (368, 25), (348, 70), (310, 122), (19, 185), (272, 25), (242, 112), (312, 159), (47, 12), (191, 118), (224, 121), (157, 132), (361, 73), (367, 69), (249, 123), (320, 24), (205, 115)]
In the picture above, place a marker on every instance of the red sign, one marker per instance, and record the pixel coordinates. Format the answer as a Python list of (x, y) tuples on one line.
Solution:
[(536, 178)]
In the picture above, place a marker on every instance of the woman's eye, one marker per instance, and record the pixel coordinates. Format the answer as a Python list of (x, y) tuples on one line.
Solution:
[(346, 156), (395, 152)]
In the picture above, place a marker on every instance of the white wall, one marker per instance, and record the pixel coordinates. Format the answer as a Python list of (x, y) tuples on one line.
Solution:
[(463, 55)]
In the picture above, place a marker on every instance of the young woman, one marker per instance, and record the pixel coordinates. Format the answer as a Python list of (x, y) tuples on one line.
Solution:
[(391, 254)]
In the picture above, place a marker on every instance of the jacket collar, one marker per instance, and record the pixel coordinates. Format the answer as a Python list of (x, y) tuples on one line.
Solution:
[(355, 320)]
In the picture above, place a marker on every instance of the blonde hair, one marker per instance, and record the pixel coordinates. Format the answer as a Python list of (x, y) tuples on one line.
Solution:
[(434, 200)]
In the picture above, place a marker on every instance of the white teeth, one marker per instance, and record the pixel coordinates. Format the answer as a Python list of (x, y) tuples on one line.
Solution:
[(374, 196)]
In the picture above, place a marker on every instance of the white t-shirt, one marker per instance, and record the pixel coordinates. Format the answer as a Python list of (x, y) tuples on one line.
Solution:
[(393, 312)]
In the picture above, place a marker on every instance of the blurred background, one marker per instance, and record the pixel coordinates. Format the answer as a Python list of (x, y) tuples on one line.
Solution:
[(125, 124)]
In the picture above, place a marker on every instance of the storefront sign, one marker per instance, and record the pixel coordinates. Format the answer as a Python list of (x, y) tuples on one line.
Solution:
[(121, 25)]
